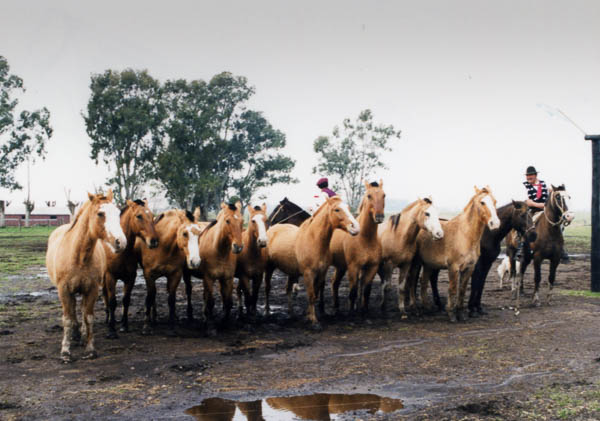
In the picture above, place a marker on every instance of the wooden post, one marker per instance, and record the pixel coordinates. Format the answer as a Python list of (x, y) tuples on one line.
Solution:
[(595, 255)]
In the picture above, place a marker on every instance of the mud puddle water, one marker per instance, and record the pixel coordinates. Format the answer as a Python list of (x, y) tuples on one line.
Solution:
[(319, 406)]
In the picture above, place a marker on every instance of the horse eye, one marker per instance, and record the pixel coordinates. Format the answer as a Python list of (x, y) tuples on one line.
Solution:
[(253, 221), (139, 217), (227, 221), (427, 214), (337, 210), (369, 196), (482, 202), (185, 234), (101, 214)]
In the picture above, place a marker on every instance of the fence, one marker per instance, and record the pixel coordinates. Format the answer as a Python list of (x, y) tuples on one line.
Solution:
[(36, 222)]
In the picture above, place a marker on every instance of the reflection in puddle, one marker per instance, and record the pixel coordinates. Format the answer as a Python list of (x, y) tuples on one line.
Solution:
[(320, 406)]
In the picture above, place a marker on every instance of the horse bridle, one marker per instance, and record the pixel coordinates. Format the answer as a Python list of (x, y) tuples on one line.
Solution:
[(561, 219), (531, 226), (286, 218)]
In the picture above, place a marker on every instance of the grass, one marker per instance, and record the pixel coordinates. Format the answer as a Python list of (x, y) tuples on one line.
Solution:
[(22, 248), (578, 238), (579, 293)]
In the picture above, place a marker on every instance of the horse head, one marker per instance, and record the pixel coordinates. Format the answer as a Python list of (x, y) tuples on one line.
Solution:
[(258, 224), (105, 221), (560, 199), (429, 218), (340, 216), (141, 222), (485, 201), (232, 223), (375, 200), (188, 235), (522, 221)]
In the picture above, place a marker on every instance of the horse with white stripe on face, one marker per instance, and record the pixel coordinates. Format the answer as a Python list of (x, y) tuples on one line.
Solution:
[(251, 262), (76, 262), (548, 244), (458, 251)]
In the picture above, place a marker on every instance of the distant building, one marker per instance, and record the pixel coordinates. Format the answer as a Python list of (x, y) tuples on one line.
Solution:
[(42, 215)]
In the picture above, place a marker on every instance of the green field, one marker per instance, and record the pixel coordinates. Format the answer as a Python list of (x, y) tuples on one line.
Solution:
[(22, 248)]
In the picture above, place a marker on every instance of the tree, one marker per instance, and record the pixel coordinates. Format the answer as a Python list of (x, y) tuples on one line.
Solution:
[(215, 146), (24, 134), (353, 153), (123, 118)]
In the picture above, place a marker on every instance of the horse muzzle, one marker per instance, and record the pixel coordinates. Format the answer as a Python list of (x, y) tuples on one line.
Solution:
[(119, 244), (494, 224), (194, 262), (261, 243), (237, 248), (353, 229), (379, 218), (152, 243), (438, 235), (531, 236), (569, 216)]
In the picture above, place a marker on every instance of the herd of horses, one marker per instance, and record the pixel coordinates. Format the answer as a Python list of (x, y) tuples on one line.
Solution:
[(104, 244)]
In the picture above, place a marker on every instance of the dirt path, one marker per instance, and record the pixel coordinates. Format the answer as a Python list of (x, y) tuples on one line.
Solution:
[(498, 367)]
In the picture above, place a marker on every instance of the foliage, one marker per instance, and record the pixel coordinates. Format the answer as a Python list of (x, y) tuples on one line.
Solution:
[(353, 153), (24, 134), (123, 118)]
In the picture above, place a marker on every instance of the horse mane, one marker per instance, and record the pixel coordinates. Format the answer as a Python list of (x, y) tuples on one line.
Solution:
[(209, 226), (395, 219), (189, 215), (374, 184), (83, 208), (257, 208), (231, 206)]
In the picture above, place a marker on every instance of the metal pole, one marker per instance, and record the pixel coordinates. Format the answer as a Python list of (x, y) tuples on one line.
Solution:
[(595, 211)]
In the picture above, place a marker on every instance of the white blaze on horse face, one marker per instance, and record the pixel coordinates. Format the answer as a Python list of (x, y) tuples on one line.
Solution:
[(567, 215), (259, 219), (354, 227), (494, 222), (112, 223), (193, 258), (432, 223)]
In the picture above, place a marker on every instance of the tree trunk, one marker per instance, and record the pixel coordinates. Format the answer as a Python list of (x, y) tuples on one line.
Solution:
[(2, 213)]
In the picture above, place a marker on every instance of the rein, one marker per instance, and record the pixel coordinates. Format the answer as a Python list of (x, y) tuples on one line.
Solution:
[(561, 219), (288, 217)]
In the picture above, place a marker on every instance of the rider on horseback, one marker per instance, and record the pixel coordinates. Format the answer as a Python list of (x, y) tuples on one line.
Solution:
[(325, 193), (537, 195)]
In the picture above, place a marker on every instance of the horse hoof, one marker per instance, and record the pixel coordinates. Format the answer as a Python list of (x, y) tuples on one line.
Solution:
[(112, 334), (66, 357), (90, 355), (481, 311), (124, 329), (452, 318)]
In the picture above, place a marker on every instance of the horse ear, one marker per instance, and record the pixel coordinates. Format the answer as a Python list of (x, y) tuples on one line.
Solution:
[(223, 205), (517, 205), (381, 182), (249, 208), (263, 207), (109, 195), (129, 203), (552, 187), (367, 185), (91, 196), (238, 205), (477, 191)]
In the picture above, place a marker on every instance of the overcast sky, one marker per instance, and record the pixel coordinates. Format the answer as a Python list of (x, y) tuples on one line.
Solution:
[(461, 79)]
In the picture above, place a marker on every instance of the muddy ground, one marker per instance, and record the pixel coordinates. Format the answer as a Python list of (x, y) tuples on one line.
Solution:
[(542, 364)]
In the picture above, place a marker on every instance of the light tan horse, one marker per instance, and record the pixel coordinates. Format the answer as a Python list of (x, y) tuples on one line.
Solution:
[(220, 244), (459, 249), (137, 221), (177, 248), (398, 243), (304, 251), (252, 260), (359, 255), (76, 263)]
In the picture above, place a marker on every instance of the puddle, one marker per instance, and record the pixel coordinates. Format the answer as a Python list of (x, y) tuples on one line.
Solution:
[(396, 345), (319, 406)]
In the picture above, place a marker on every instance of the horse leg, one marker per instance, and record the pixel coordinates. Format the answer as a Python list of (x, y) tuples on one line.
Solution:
[(105, 300), (310, 280), (150, 305), (87, 306), (110, 296), (128, 284), (537, 268), (425, 281), (335, 288), (256, 281), (226, 297), (434, 289), (453, 281), (187, 280), (209, 299), (69, 319), (554, 262), (478, 278), (367, 281), (243, 286), (268, 275), (385, 275), (173, 281), (353, 273), (464, 282)]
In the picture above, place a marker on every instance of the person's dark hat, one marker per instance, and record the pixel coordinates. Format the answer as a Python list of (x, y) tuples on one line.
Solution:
[(531, 170), (323, 182)]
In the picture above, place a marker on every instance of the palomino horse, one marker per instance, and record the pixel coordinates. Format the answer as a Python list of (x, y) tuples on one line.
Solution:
[(304, 251), (220, 243), (512, 216), (177, 248), (360, 255), (76, 263), (137, 221), (548, 244), (459, 249), (252, 260), (289, 213), (398, 245)]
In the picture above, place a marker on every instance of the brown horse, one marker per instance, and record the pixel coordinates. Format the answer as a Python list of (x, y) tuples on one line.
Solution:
[(304, 251), (252, 260), (137, 221), (289, 213), (547, 245), (399, 246), (220, 244), (459, 249), (360, 255), (177, 249), (76, 263)]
